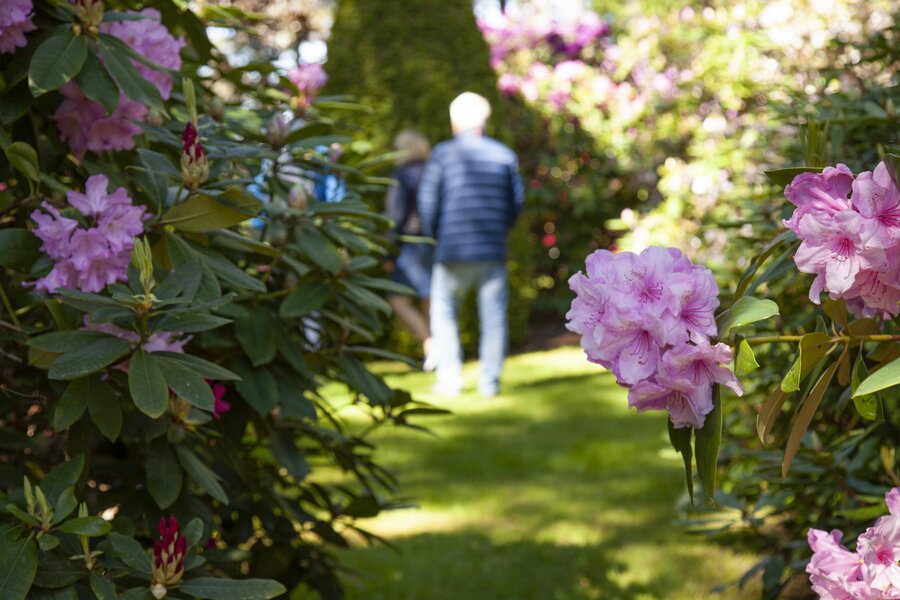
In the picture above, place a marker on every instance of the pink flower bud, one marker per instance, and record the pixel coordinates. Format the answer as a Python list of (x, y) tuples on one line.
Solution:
[(194, 166)]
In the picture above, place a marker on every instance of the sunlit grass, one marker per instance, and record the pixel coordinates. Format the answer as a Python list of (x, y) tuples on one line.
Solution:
[(552, 490)]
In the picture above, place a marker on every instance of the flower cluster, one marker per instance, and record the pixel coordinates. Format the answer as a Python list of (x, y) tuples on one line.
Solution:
[(168, 557), (872, 572), (15, 22), (850, 234), (89, 258), (309, 79), (649, 318), (84, 123)]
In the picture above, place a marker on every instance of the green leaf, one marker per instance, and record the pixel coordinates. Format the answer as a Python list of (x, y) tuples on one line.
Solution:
[(259, 389), (202, 213), (783, 177), (72, 404), (202, 475), (103, 588), (105, 410), (804, 417), (256, 333), (62, 342), (65, 504), (147, 384), (362, 507), (190, 322), (812, 349), (62, 477), (89, 359), (97, 85), (164, 477), (89, 526), (193, 532), (213, 588), (868, 406), (133, 84), (23, 159), (18, 249), (285, 451), (56, 61), (55, 574), (681, 440), (202, 367), (304, 299), (319, 249), (892, 162), (707, 440), (18, 566), (47, 542), (130, 552), (885, 377), (745, 362), (745, 311), (187, 384)]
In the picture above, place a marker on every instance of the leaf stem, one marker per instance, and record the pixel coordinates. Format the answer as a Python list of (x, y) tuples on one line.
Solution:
[(770, 339)]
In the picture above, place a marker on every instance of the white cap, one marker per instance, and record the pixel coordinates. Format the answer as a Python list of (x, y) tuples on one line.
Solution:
[(469, 111)]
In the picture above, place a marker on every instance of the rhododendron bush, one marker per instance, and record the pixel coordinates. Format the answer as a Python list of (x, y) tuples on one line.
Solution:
[(172, 297)]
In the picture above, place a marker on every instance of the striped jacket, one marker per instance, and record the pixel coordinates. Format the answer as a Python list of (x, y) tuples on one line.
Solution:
[(469, 197)]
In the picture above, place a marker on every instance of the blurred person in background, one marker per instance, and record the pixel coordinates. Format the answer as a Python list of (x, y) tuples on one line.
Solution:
[(412, 266), (470, 196)]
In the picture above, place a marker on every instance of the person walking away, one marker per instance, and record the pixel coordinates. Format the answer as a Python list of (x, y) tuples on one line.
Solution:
[(470, 196), (413, 264)]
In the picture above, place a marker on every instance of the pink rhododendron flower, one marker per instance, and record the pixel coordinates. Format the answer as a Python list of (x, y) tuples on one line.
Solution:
[(309, 79), (161, 341), (222, 406), (648, 318), (851, 245), (89, 258), (84, 123), (15, 22), (870, 573)]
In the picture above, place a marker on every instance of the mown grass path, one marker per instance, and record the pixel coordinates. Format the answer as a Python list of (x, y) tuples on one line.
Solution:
[(553, 490)]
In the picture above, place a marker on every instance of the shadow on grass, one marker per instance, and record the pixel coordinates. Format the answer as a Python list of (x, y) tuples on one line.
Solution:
[(540, 571)]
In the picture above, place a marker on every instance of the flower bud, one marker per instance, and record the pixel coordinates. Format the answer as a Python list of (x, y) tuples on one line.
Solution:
[(297, 197), (90, 13), (168, 556), (194, 166), (158, 591), (276, 131)]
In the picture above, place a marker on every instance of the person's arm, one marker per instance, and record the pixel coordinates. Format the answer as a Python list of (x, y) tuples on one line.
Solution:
[(516, 192), (396, 206), (429, 200)]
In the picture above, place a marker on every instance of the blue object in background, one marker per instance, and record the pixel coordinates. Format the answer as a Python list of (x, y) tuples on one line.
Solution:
[(329, 186)]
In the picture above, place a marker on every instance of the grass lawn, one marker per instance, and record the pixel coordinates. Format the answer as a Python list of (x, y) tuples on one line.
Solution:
[(553, 490)]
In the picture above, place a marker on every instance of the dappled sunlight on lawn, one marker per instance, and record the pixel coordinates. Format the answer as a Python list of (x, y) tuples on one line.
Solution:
[(554, 489)]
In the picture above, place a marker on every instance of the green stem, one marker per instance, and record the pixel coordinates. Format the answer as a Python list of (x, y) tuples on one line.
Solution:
[(770, 339), (9, 309)]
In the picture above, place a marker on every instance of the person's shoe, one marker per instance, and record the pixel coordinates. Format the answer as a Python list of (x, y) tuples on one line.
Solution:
[(431, 356)]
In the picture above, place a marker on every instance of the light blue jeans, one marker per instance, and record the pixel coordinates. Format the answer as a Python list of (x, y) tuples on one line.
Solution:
[(449, 284)]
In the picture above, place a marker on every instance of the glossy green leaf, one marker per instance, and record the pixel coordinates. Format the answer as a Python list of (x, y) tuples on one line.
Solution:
[(745, 361), (259, 389), (65, 504), (257, 335), (812, 349), (868, 406), (18, 566), (47, 542), (103, 588), (885, 377), (72, 403), (89, 526), (288, 454), (213, 588), (200, 474), (319, 249), (62, 477), (304, 299), (187, 384), (58, 573), (18, 249), (707, 440), (190, 322), (783, 177), (202, 367), (62, 342), (23, 159), (164, 476), (744, 311), (681, 440), (130, 552), (804, 417), (201, 213), (96, 84), (56, 61), (147, 385), (90, 359), (133, 84), (106, 411)]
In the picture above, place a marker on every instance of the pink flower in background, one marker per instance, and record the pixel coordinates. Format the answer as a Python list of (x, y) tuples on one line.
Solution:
[(85, 125), (89, 258), (309, 79), (648, 318), (851, 245), (150, 38), (870, 573), (161, 341), (15, 22), (221, 406)]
